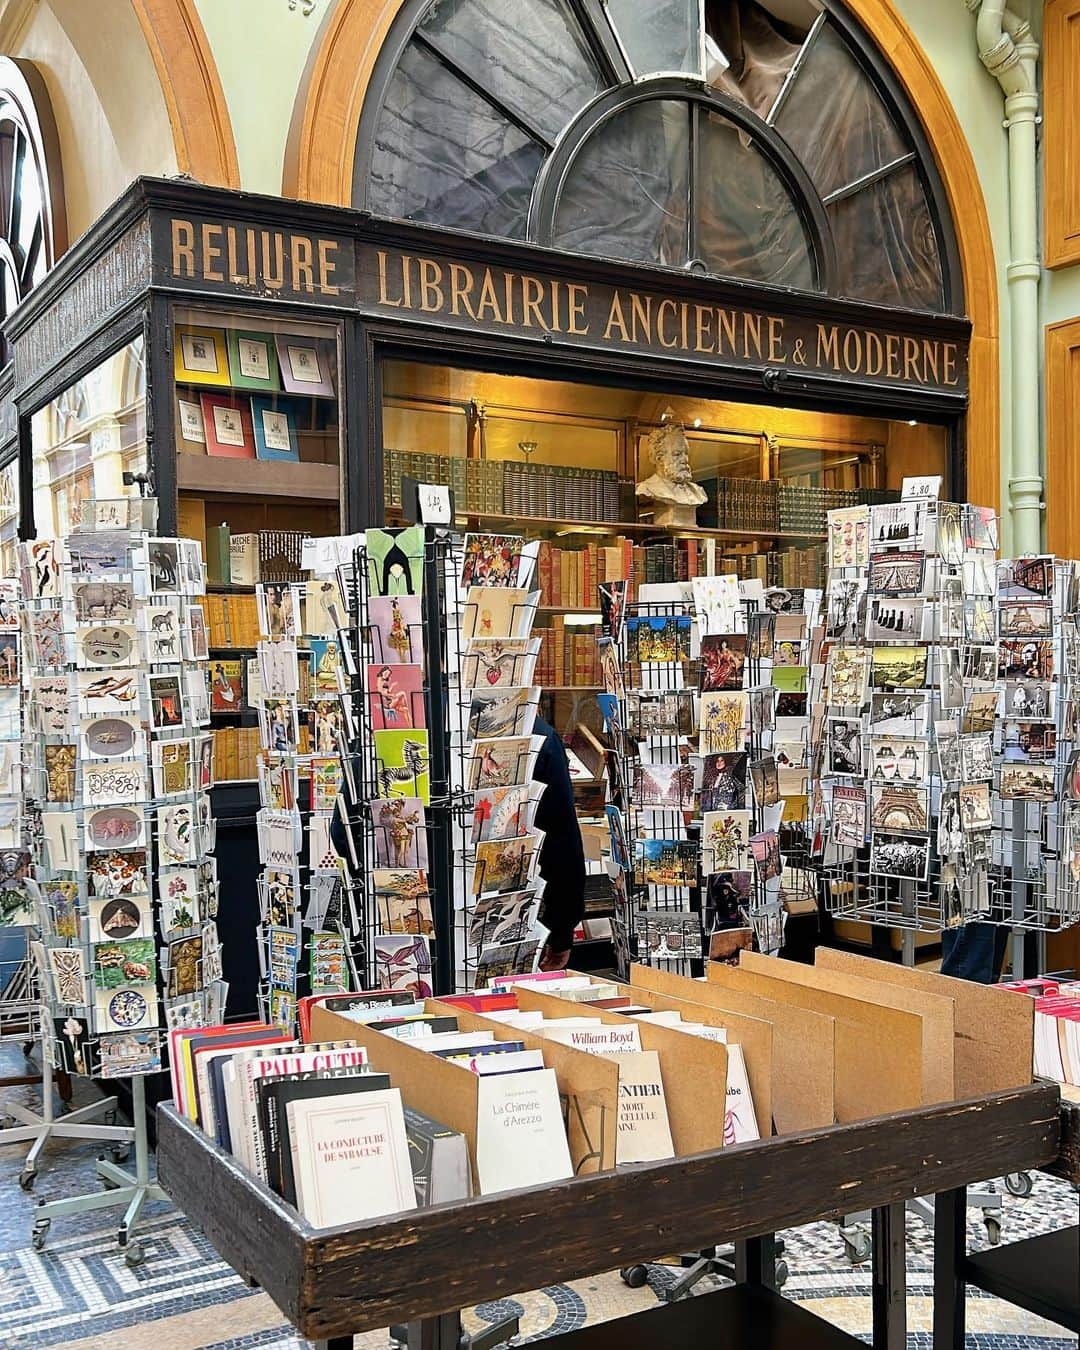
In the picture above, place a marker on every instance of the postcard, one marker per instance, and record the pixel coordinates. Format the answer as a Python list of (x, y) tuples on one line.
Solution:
[(612, 608), (979, 620), (1029, 700), (723, 722), (1025, 618), (846, 676), (325, 663), (895, 574), (900, 856), (166, 703), (667, 787), (662, 714), (1028, 782), (279, 670), (400, 833), (981, 711), (611, 667), (491, 560), (900, 810), (848, 816), (68, 975), (892, 620), (502, 712), (505, 864), (112, 738), (845, 606), (498, 662), (980, 527), (227, 686), (506, 917), (761, 633), (844, 746), (396, 697), (725, 841), (723, 661), (762, 709), (124, 1054), (849, 535), (498, 612), (115, 827), (402, 764), (950, 532), (125, 1008), (103, 644), (765, 780), (114, 874), (503, 761), (727, 899), (130, 961), (324, 607), (504, 812), (893, 759), (897, 524), (117, 692), (395, 560), (113, 783), (665, 862), (723, 782), (278, 606), (1025, 578), (717, 603), (394, 623), (899, 713), (898, 667), (1029, 740), (403, 961), (280, 725), (977, 756), (662, 640), (325, 725), (403, 902), (975, 812), (171, 762), (765, 848)]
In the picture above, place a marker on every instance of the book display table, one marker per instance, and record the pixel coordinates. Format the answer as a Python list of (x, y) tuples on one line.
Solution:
[(420, 1268), (1041, 1274)]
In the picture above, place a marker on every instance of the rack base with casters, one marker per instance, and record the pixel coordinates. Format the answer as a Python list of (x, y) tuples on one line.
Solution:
[(722, 1261), (132, 1190), (39, 1127)]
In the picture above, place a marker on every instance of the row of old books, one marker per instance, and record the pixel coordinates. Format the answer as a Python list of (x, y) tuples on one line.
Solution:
[(442, 470), (568, 656), (803, 510), (236, 753), (233, 620)]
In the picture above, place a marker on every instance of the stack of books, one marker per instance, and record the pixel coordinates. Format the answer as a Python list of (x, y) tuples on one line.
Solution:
[(803, 510), (233, 621), (444, 470)]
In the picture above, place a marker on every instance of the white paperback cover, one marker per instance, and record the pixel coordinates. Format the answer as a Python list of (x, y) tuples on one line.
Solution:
[(350, 1157), (520, 1136), (644, 1132)]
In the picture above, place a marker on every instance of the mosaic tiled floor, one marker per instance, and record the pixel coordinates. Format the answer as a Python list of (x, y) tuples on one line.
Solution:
[(79, 1292)]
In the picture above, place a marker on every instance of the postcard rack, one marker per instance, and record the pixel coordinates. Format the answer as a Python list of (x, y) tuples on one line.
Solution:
[(905, 715), (1035, 885), (121, 841)]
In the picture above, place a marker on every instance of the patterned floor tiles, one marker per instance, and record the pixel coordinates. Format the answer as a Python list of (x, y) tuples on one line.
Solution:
[(79, 1292)]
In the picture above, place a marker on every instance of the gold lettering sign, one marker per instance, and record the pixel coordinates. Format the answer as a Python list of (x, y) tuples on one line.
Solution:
[(252, 258), (498, 299)]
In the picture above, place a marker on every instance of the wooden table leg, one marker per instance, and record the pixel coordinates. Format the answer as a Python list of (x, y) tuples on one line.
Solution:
[(950, 1254), (436, 1333), (755, 1261), (890, 1278), (334, 1343)]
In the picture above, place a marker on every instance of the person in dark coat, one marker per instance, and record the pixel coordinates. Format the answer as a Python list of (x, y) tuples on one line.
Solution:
[(562, 856)]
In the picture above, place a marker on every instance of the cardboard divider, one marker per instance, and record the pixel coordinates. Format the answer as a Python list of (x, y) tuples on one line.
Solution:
[(448, 1092), (936, 1013), (994, 1029), (751, 1033), (694, 1070), (803, 1043), (878, 1050)]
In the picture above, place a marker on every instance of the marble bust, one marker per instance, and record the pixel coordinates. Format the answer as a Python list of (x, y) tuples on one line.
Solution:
[(671, 489)]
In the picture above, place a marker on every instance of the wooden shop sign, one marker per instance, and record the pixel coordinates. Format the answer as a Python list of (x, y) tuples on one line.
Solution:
[(276, 264), (538, 305)]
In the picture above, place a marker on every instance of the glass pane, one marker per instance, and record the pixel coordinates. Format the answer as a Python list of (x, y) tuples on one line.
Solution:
[(530, 54), (444, 155), (756, 50), (886, 243), (748, 225), (626, 194), (662, 36), (9, 517), (86, 439), (834, 120)]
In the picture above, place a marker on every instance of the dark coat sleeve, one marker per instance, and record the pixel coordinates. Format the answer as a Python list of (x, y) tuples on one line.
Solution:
[(562, 857)]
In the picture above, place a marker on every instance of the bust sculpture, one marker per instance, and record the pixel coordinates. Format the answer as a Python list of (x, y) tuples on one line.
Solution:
[(671, 488)]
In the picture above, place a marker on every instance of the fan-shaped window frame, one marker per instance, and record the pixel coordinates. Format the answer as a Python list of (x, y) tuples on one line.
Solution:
[(627, 90), (25, 104), (547, 194)]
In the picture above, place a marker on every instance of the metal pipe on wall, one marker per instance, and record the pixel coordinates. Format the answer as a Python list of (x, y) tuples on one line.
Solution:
[(1009, 52)]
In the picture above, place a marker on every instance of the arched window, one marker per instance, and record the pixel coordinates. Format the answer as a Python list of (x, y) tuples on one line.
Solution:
[(764, 142), (33, 228)]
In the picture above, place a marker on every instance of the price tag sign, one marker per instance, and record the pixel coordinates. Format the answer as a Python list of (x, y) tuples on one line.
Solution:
[(926, 489), (434, 502)]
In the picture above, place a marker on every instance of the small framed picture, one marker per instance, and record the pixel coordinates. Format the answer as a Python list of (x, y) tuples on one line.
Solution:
[(253, 362), (227, 421), (190, 432), (275, 429), (305, 365), (200, 355)]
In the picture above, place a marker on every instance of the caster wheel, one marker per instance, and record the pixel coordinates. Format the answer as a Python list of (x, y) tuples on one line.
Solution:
[(26, 1180), (134, 1254), (7, 1122), (993, 1230), (858, 1248), (782, 1274), (635, 1277), (1019, 1184), (109, 1118), (121, 1153), (39, 1234)]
